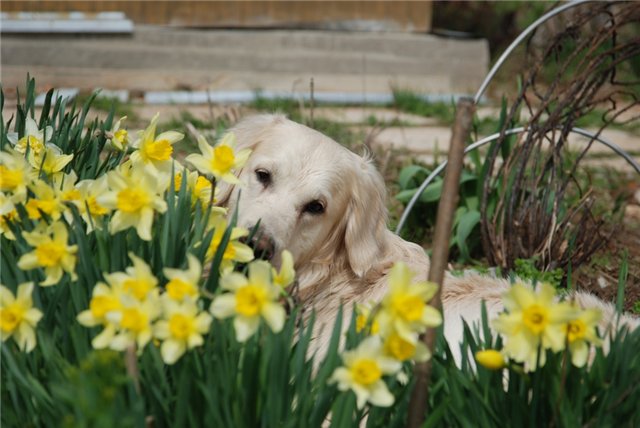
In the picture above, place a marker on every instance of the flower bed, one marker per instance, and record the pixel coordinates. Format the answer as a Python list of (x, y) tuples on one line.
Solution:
[(107, 318)]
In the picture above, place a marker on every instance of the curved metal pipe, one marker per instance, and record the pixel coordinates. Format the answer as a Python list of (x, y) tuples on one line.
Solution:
[(492, 137), (519, 39)]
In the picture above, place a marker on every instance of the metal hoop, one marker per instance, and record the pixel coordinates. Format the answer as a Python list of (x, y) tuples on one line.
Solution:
[(493, 137)]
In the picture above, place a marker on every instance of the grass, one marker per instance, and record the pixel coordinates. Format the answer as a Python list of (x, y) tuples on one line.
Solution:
[(291, 108), (411, 102), (105, 104)]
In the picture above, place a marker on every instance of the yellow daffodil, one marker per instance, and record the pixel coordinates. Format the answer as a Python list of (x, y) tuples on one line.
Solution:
[(287, 274), (14, 175), (135, 195), (155, 151), (10, 217), (199, 187), (35, 139), (220, 160), (46, 200), (137, 281), (490, 359), (181, 328), (235, 251), (401, 349), (533, 323), (580, 332), (362, 373), (183, 284), (104, 301), (133, 322), (65, 183), (363, 319), (249, 300), (18, 317), (91, 211), (51, 252), (49, 161), (118, 138), (404, 309)]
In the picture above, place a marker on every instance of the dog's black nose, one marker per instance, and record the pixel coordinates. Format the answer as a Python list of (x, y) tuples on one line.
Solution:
[(263, 247)]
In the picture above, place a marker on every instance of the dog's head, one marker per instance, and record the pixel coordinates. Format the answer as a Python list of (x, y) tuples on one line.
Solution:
[(309, 194)]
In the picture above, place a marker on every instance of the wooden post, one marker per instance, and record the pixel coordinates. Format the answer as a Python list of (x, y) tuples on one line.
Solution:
[(440, 252)]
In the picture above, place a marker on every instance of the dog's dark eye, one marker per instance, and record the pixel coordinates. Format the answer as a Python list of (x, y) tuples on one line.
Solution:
[(263, 177), (314, 208)]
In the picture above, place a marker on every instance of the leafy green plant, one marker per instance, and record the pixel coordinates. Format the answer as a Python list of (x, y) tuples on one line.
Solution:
[(466, 234), (526, 269)]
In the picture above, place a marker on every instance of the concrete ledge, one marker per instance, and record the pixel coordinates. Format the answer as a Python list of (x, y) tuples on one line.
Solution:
[(65, 23)]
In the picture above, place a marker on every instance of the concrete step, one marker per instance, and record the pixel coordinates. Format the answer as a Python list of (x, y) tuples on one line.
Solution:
[(417, 62)]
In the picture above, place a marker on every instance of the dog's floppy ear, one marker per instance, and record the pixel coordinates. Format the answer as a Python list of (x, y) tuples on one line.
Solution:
[(366, 219), (248, 134)]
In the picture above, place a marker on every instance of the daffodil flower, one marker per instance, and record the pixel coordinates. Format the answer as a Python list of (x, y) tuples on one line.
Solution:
[(9, 214), (287, 274), (51, 252), (401, 349), (135, 195), (88, 192), (14, 175), (35, 139), (133, 322), (362, 373), (18, 317), (137, 281), (220, 160), (250, 300), (49, 161), (199, 187), (46, 200), (580, 332), (105, 300), (183, 284), (181, 328), (235, 251), (118, 138), (404, 309), (533, 323), (155, 151), (363, 319)]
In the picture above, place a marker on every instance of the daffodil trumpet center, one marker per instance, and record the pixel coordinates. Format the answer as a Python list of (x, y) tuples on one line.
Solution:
[(132, 200), (10, 317), (536, 318), (249, 300), (366, 371)]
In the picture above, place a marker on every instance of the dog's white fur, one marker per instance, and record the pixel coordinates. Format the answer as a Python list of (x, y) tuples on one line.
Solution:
[(343, 255)]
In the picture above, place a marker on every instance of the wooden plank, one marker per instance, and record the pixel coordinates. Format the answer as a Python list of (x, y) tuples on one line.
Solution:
[(400, 15)]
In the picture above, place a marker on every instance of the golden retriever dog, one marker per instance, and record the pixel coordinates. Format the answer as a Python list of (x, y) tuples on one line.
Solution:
[(326, 205)]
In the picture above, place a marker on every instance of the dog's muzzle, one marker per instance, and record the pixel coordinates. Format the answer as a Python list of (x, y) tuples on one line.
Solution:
[(263, 247)]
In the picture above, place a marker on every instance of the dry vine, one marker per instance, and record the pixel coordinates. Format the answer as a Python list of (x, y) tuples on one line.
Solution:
[(533, 206)]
